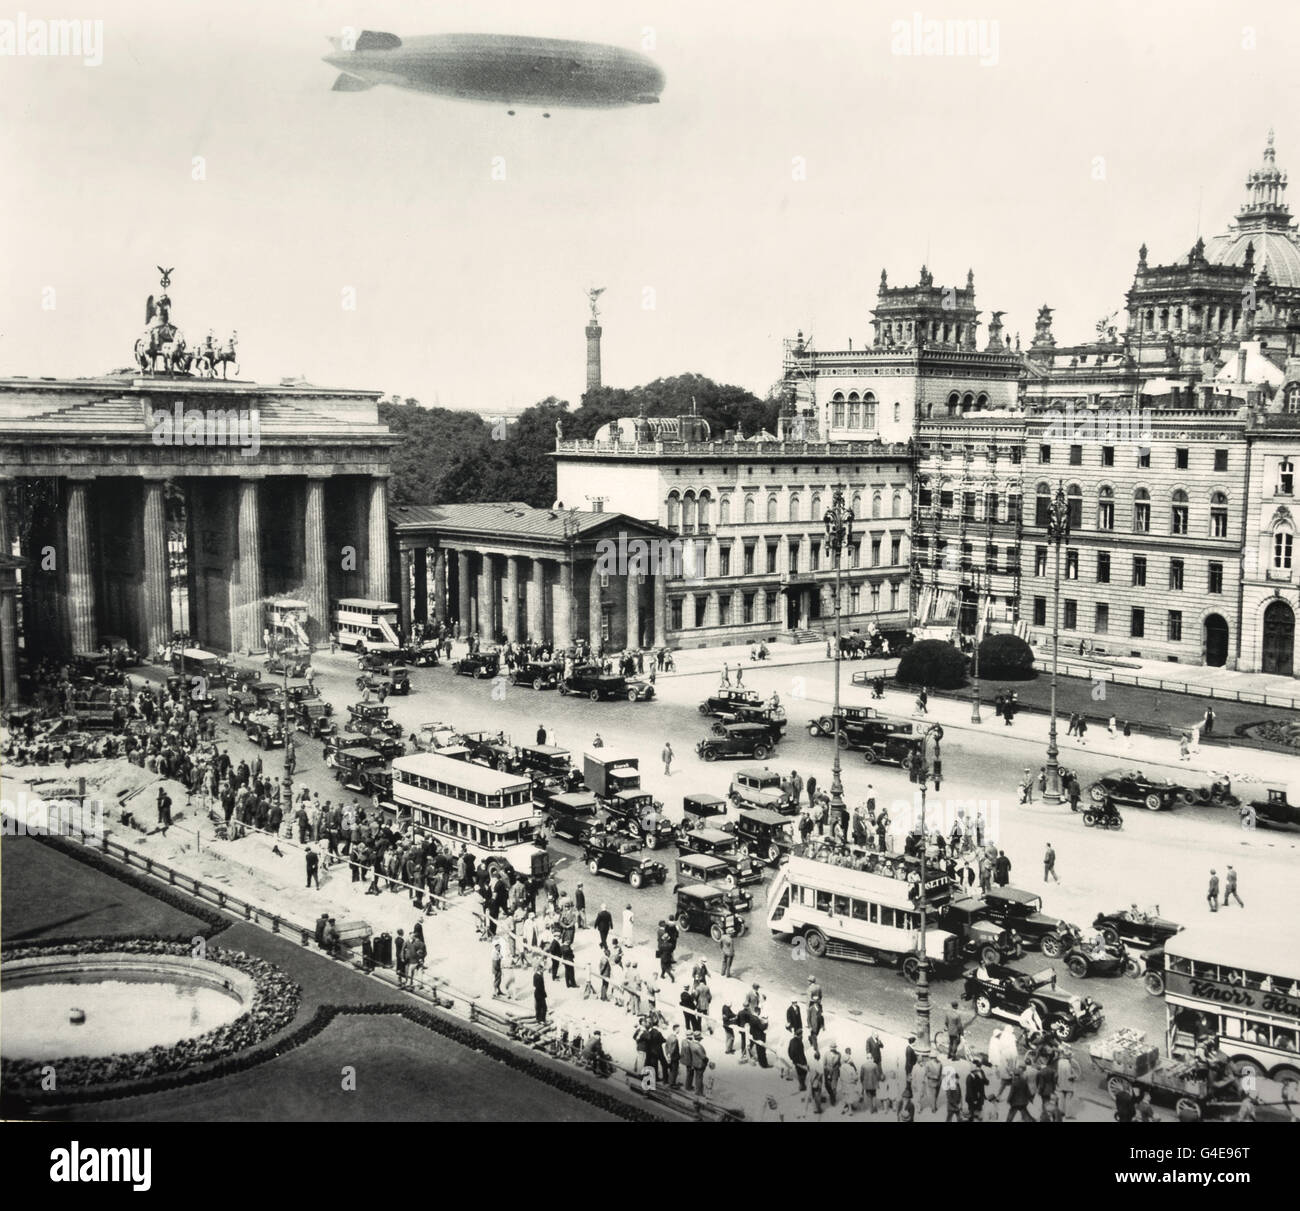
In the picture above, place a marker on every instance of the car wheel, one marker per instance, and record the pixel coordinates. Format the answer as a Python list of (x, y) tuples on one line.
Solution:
[(773, 853), (814, 943), (743, 849), (1061, 1027), (715, 932), (684, 922), (983, 1006), (869, 756), (912, 968), (1152, 802), (814, 730), (1285, 1072), (1097, 793), (651, 841), (1077, 966), (990, 955), (594, 695), (635, 878), (1111, 934), (1117, 1085), (538, 683), (564, 690), (760, 752), (729, 882), (1132, 968), (843, 740), (704, 708), (1154, 982), (593, 866), (709, 754), (1189, 1110), (1052, 946)]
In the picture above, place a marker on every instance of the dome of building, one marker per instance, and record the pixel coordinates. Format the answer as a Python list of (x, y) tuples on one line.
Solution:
[(1263, 229)]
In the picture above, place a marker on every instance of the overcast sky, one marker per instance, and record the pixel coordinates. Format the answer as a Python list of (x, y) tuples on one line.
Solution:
[(470, 291)]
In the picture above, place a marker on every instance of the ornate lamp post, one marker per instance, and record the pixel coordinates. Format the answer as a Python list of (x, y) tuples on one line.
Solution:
[(839, 532), (1058, 534), (923, 968), (282, 645)]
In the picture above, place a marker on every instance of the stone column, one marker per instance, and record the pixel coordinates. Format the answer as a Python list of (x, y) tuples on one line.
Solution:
[(593, 606), (487, 589), (8, 613), (421, 569), (246, 595), (377, 541), (462, 592), (563, 620), (661, 610), (510, 605), (315, 564), (407, 563), (537, 603), (155, 597), (79, 576), (633, 611), (439, 584)]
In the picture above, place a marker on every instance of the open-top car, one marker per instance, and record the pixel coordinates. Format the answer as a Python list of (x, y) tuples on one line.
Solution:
[(640, 815), (572, 815), (539, 676), (390, 746), (372, 717), (752, 740), (623, 858), (594, 683), (727, 701), (477, 664), (1134, 787), (1136, 928), (758, 786), (721, 844), (703, 908), (1023, 912), (979, 935), (766, 835), (433, 736), (1006, 992)]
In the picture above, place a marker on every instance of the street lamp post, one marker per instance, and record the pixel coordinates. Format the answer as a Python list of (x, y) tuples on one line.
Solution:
[(1058, 534), (839, 532), (923, 967)]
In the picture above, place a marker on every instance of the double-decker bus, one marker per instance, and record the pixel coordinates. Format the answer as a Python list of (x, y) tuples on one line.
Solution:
[(1244, 988), (871, 915), (286, 622), (368, 626), (468, 806)]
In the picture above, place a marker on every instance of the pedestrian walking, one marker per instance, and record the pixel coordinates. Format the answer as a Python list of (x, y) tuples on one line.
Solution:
[(1184, 748), (727, 947), (1212, 894), (955, 1028), (1073, 724), (977, 1083), (1082, 732), (1230, 888), (1049, 864), (1027, 787), (604, 923), (541, 734), (1208, 726), (629, 923), (539, 992), (1128, 736), (1019, 1097), (1110, 727), (667, 756), (313, 867)]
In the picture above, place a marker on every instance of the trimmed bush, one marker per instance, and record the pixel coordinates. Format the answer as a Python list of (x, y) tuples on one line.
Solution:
[(1006, 658), (932, 663)]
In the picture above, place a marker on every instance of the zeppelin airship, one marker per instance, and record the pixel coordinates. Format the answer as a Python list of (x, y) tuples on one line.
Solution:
[(501, 69)]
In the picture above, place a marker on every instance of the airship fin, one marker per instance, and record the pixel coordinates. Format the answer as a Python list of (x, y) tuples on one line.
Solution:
[(371, 40), (351, 84)]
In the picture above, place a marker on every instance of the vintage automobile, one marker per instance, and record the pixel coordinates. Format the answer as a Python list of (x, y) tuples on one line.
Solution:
[(596, 684), (1023, 912), (270, 697), (1275, 811), (1097, 957), (640, 815), (371, 717), (639, 688), (361, 769), (375, 662), (313, 717), (295, 663), (622, 857), (337, 740), (702, 908), (119, 652), (548, 760), (484, 747), (396, 681), (705, 868), (424, 655), (700, 811), (717, 843), (500, 755), (97, 667), (239, 704), (763, 833), (195, 692), (752, 740), (758, 786), (197, 662), (1005, 992), (1134, 787), (728, 701), (539, 676), (1133, 927), (477, 664), (305, 693), (572, 815), (433, 736), (265, 729), (824, 725), (978, 934)]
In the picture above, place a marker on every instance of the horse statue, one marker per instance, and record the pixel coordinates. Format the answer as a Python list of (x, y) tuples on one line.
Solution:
[(163, 343), (211, 355)]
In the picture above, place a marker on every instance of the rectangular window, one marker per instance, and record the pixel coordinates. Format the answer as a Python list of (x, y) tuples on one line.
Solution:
[(1282, 544), (770, 600), (1103, 567), (676, 606), (701, 609), (749, 559), (1175, 626), (875, 599), (772, 549), (925, 497), (724, 560), (1040, 611), (1102, 623), (1139, 571), (965, 556), (724, 610), (1076, 456), (1220, 460), (1072, 565), (875, 552), (1044, 454), (1138, 623), (991, 559), (1017, 454), (1142, 517), (1071, 621), (1286, 478), (1218, 521), (1013, 509), (1144, 456), (794, 554), (945, 498), (968, 505), (1178, 519), (1105, 514), (1040, 561), (855, 599), (1108, 456), (1013, 559), (1042, 511), (1180, 458), (1175, 573), (893, 594), (747, 602), (895, 550), (1216, 578)]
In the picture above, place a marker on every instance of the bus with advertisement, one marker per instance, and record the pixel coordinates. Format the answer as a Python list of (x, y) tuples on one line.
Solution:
[(464, 806), (366, 625), (868, 911), (1241, 987)]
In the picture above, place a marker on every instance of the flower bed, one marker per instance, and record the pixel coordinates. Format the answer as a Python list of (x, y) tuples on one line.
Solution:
[(275, 1004)]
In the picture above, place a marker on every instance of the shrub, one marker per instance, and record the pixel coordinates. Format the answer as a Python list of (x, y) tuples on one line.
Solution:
[(1007, 658), (932, 663)]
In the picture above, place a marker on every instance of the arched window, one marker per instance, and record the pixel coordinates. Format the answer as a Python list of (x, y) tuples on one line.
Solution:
[(837, 410), (967, 401), (1042, 504), (982, 401), (856, 504), (815, 507), (868, 411), (688, 513), (705, 505), (1106, 508), (1218, 515), (674, 519), (954, 402), (724, 511), (1141, 511), (896, 505), (898, 408), (750, 507), (1178, 513), (855, 411), (1074, 506), (1286, 478), (773, 504), (875, 504), (1292, 402)]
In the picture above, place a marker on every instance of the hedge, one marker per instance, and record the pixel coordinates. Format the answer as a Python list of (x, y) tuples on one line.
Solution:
[(932, 662)]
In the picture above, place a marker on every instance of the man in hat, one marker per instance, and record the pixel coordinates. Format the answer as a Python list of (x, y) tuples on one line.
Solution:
[(1212, 894), (697, 1061), (596, 1057), (604, 923), (1230, 888)]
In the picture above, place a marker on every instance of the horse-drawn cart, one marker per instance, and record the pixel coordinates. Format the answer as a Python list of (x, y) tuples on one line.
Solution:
[(1128, 1066)]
